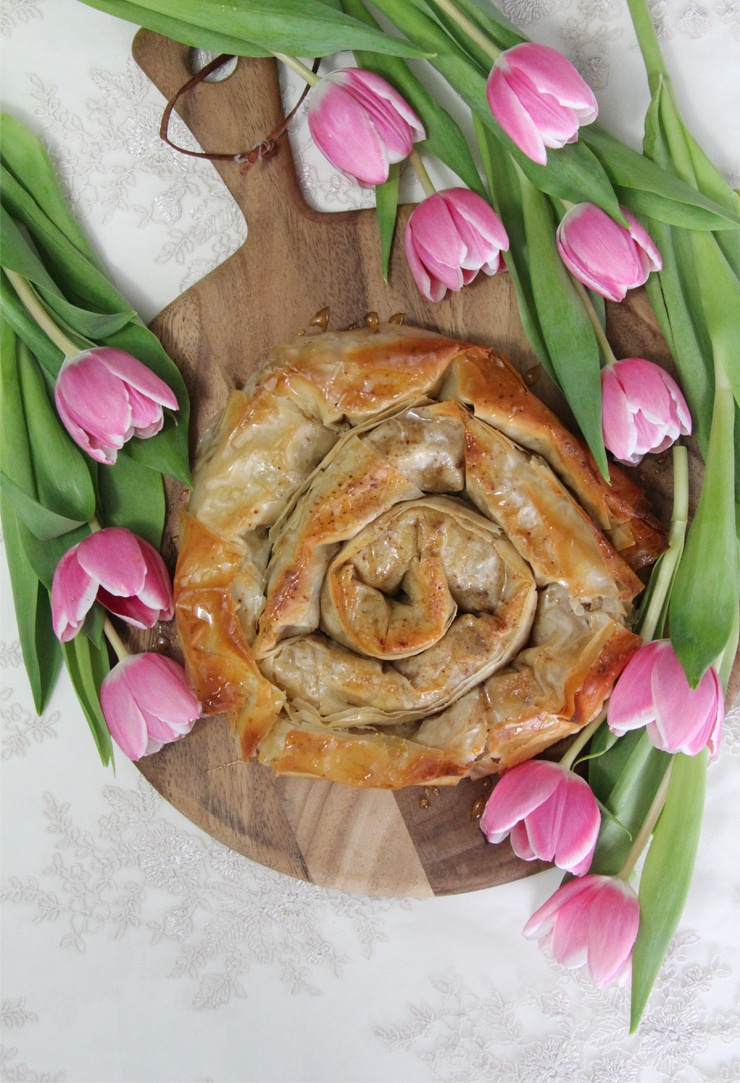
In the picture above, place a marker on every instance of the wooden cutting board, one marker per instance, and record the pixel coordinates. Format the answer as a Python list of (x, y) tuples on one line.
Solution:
[(296, 262)]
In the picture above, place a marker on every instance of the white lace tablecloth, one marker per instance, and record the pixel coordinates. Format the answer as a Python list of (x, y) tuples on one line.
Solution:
[(135, 948)]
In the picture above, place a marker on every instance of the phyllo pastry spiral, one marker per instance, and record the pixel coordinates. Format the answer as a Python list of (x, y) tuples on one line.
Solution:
[(397, 567)]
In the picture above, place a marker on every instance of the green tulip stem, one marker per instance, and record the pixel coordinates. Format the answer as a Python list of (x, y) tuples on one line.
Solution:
[(292, 62), (582, 740), (35, 309), (115, 640), (662, 579), (648, 826), (603, 341), (647, 39), (468, 27), (420, 169)]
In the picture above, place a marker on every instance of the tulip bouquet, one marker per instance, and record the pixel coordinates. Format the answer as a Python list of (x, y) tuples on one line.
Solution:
[(539, 175), (85, 448)]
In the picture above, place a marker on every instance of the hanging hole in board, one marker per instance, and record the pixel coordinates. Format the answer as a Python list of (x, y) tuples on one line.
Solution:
[(199, 58)]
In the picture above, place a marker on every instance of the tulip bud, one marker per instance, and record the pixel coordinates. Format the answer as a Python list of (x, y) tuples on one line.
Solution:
[(606, 257), (590, 921), (361, 124), (147, 703), (116, 568), (549, 812), (450, 236), (653, 692), (643, 409), (104, 396), (539, 99)]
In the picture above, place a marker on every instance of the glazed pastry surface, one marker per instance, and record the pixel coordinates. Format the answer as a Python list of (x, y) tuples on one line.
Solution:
[(398, 567)]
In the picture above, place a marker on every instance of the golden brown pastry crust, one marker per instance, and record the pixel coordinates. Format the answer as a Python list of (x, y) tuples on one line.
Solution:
[(398, 567)]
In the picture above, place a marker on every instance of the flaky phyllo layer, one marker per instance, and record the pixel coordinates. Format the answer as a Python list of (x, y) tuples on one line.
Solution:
[(397, 566)]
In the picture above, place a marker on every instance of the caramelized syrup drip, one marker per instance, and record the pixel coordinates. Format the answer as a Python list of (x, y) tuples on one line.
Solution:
[(479, 805), (531, 376)]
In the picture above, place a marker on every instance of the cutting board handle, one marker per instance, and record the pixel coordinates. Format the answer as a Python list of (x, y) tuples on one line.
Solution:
[(234, 116)]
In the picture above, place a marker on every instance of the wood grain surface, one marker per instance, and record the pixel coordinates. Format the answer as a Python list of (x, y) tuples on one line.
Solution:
[(296, 262)]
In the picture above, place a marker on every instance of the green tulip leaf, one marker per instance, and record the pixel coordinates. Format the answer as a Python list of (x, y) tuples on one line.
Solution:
[(624, 780), (386, 211), (654, 189), (44, 554), (42, 522), (567, 329), (27, 160), (706, 591), (64, 271), (666, 875), (42, 655), (489, 20), (306, 28), (84, 323), (19, 256), (16, 315), (87, 666), (505, 184), (133, 496), (63, 480)]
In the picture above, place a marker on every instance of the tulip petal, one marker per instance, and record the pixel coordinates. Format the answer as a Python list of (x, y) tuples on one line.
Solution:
[(344, 133), (519, 839), (513, 117), (123, 717), (94, 399), (137, 376), (552, 73), (648, 251), (684, 716), (569, 941), (131, 610), (168, 704), (147, 418), (618, 431), (614, 918), (476, 220), (556, 123), (578, 825), (113, 556), (517, 793), (388, 112), (631, 703), (600, 252), (542, 921), (428, 286), (147, 702), (376, 88), (73, 593)]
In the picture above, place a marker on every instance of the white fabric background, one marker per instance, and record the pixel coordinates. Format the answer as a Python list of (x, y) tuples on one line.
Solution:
[(134, 948)]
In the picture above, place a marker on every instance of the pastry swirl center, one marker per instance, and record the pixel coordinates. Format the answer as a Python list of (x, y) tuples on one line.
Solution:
[(395, 589)]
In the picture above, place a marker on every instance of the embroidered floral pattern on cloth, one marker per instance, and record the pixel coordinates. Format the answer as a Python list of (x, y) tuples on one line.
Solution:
[(122, 922)]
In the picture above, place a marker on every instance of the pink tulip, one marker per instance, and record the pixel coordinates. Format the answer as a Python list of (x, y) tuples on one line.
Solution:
[(539, 99), (105, 396), (116, 568), (147, 703), (653, 692), (606, 257), (590, 921), (643, 409), (361, 124), (549, 812), (449, 237)]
